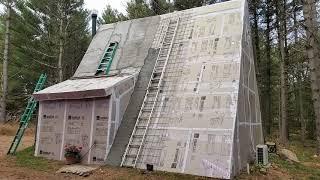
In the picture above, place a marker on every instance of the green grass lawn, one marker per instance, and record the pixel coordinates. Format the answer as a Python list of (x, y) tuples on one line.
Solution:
[(26, 158), (305, 154)]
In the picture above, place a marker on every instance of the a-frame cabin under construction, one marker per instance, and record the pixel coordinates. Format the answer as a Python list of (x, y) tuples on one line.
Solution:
[(176, 91)]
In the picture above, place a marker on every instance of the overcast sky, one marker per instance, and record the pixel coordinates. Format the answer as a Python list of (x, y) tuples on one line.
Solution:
[(99, 5)]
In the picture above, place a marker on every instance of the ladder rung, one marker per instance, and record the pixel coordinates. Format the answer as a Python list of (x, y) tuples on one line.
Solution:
[(162, 59), (141, 127), (150, 99), (148, 102), (169, 37), (154, 148), (102, 67), (154, 88), (151, 94), (157, 72), (146, 110), (163, 55), (137, 136), (134, 146), (161, 63), (159, 68), (131, 155), (105, 61), (152, 91), (154, 83), (164, 50), (142, 119)]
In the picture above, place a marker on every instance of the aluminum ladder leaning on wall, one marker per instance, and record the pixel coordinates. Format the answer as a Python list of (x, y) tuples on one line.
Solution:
[(26, 117), (138, 137)]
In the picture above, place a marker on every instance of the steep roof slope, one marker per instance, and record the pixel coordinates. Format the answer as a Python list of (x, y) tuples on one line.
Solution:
[(197, 125), (135, 37)]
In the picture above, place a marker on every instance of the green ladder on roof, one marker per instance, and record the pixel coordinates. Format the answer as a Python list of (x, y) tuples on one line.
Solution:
[(25, 118), (107, 58)]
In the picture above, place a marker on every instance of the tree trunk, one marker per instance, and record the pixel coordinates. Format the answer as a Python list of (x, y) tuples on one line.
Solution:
[(279, 108), (3, 116), (61, 50), (300, 70), (302, 119), (283, 78), (295, 21), (268, 114), (256, 30), (310, 16), (254, 8)]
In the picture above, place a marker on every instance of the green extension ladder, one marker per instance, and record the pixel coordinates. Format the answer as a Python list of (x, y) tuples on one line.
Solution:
[(107, 58), (25, 118)]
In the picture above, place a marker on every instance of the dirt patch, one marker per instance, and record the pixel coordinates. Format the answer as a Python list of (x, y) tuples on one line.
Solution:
[(278, 174), (10, 129), (7, 133), (6, 141), (312, 165), (274, 172)]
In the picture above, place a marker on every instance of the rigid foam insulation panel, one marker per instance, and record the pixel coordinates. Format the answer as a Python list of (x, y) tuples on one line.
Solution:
[(90, 122), (207, 118)]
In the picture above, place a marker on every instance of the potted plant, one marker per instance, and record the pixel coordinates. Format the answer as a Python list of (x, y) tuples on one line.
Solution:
[(72, 154)]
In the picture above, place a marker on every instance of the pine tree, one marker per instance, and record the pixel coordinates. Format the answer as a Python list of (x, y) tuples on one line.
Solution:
[(187, 4), (281, 24), (35, 44), (111, 15), (138, 9), (161, 7)]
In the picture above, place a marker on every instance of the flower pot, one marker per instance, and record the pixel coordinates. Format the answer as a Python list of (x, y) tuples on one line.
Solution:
[(71, 160)]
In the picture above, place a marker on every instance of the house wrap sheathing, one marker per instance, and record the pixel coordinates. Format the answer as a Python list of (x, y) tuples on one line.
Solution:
[(206, 118)]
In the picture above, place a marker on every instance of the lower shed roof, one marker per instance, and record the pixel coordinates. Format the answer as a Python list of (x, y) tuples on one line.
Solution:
[(82, 88)]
